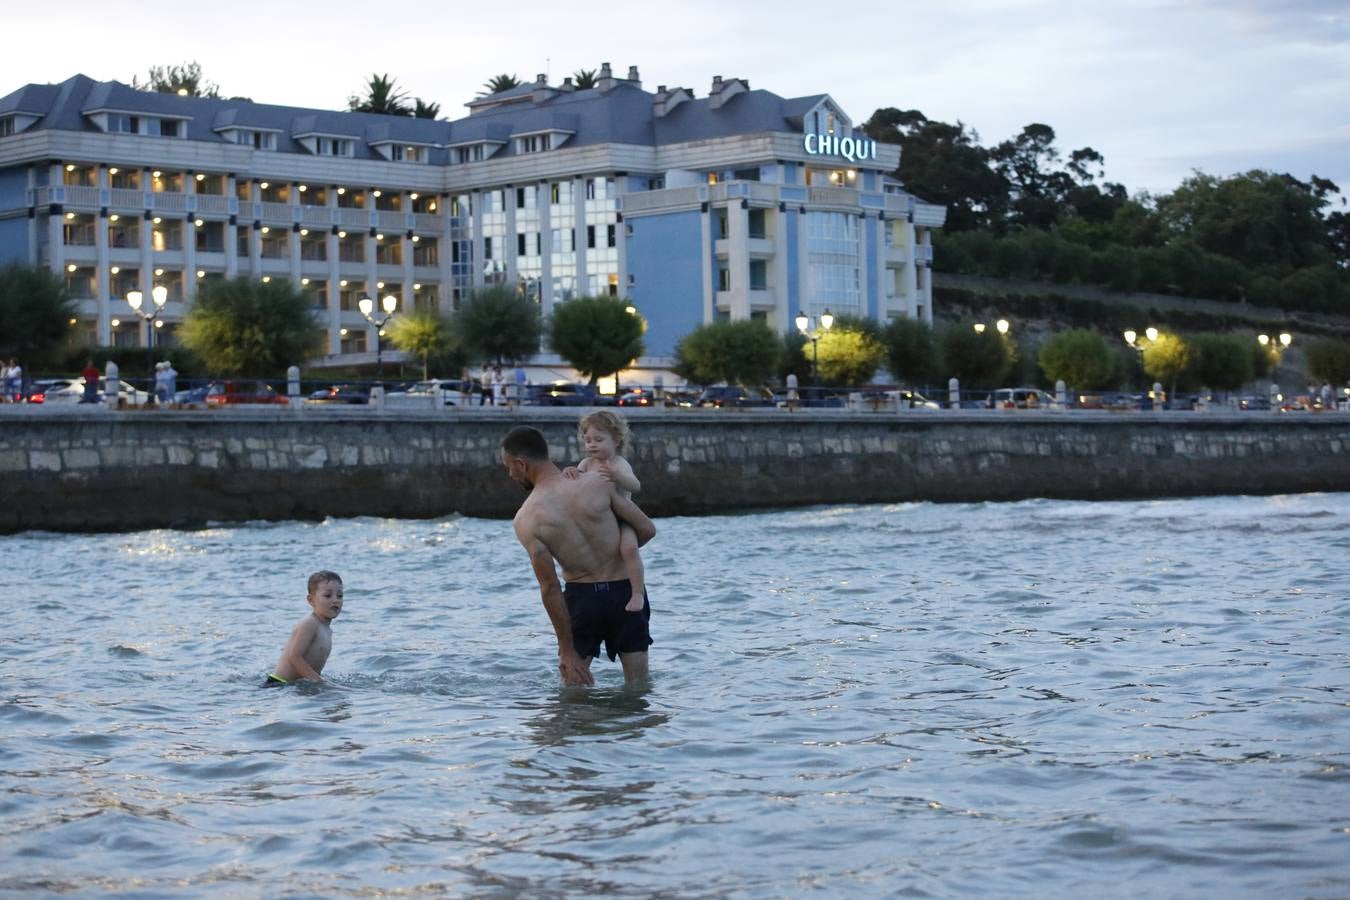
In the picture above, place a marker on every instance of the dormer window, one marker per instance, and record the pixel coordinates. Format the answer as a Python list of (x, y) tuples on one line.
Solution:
[(535, 143), (326, 146), (471, 153), (121, 123), (167, 127), (258, 140), (6, 126), (400, 153)]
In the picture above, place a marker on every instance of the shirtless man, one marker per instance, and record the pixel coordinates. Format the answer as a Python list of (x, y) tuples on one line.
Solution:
[(573, 521)]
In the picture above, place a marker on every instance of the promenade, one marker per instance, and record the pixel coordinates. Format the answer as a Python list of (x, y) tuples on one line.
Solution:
[(91, 469)]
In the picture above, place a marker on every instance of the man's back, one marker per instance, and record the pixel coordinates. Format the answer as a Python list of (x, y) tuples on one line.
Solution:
[(574, 520)]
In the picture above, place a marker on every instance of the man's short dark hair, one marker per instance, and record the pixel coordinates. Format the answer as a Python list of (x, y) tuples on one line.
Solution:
[(526, 442)]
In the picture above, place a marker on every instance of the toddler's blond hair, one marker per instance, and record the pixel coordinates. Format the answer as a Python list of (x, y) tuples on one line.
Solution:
[(606, 421)]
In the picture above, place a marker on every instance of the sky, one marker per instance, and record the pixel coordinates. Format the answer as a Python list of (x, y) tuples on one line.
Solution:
[(1159, 87)]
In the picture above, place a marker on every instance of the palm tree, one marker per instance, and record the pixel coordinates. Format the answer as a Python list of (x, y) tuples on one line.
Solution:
[(424, 110), (584, 78), (498, 83), (381, 97)]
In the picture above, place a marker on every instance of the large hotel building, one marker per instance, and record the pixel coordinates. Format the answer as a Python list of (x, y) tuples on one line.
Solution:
[(739, 204)]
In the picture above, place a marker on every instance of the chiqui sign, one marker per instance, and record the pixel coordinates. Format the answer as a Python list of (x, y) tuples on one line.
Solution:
[(851, 149)]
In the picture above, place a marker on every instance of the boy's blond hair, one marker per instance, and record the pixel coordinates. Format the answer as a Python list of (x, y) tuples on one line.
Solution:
[(606, 421), (322, 576)]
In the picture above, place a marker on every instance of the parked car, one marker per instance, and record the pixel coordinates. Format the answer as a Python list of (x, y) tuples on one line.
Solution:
[(813, 397), (233, 393), (640, 397), (735, 396), (907, 399), (71, 390), (340, 393), (193, 396), (1021, 398), (567, 393), (421, 393)]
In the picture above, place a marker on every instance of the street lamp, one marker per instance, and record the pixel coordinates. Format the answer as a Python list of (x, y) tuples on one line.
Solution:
[(367, 307), (1275, 348), (159, 295), (1150, 338), (803, 322)]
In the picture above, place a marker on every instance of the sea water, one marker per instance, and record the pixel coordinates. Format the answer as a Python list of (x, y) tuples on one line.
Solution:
[(1120, 699)]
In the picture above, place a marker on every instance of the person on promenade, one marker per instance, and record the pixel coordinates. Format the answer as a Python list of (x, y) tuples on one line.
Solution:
[(13, 373), (522, 384), (159, 383), (311, 640), (465, 387), (604, 437), (498, 385), (575, 523), (90, 376), (170, 381)]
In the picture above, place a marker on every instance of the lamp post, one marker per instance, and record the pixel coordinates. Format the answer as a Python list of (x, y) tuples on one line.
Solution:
[(367, 307), (159, 295), (803, 322), (1275, 348), (1150, 337)]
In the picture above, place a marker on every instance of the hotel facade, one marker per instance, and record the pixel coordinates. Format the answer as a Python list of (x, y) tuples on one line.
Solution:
[(737, 205)]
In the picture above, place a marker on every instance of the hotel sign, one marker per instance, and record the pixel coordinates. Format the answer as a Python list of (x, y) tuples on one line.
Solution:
[(851, 149)]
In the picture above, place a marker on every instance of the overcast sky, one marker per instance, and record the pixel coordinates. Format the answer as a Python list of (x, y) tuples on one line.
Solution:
[(1159, 87)]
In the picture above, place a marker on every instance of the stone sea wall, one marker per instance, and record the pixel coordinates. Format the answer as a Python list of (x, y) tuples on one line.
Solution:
[(90, 469)]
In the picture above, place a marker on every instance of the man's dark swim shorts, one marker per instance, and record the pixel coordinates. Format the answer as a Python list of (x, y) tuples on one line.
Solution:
[(596, 609)]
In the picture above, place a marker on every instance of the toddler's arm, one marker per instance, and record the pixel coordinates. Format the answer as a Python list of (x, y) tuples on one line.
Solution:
[(621, 473), (573, 471)]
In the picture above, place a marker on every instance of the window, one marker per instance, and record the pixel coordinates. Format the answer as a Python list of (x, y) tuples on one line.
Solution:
[(535, 143), (723, 278), (657, 184), (259, 140), (6, 126), (169, 128), (590, 237), (121, 123), (746, 174), (400, 153), (520, 245), (611, 239), (758, 275), (473, 153), (487, 248), (333, 147)]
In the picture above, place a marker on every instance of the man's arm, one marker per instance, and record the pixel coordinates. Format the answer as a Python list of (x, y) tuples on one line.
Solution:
[(293, 657), (628, 512), (571, 667)]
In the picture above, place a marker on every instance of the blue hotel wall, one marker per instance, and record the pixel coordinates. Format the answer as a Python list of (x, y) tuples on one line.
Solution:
[(663, 255), (13, 241)]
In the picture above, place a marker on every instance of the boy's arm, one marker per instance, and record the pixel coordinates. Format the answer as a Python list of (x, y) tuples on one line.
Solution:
[(621, 473), (577, 470), (629, 512), (571, 667), (294, 654)]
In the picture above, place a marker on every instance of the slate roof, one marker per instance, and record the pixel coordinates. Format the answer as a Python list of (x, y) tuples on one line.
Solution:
[(624, 115)]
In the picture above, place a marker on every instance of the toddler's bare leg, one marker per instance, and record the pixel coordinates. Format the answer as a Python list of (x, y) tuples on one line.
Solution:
[(632, 561)]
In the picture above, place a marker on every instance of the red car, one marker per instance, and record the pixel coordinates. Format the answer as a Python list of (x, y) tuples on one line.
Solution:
[(232, 393)]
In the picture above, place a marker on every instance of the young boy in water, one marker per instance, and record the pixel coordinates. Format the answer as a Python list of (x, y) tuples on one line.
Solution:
[(311, 640), (604, 437)]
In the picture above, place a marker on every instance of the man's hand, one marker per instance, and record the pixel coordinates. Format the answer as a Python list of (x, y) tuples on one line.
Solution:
[(572, 669)]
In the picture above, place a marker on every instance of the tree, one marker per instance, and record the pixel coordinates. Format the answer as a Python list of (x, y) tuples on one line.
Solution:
[(850, 352), (185, 80), (597, 335), (425, 333), (976, 359), (943, 164), (584, 79), (245, 327), (498, 83), (382, 96), (424, 110), (744, 352), (498, 324), (1329, 361), (1081, 359), (35, 313), (1222, 362), (793, 359), (1166, 359), (909, 350)]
